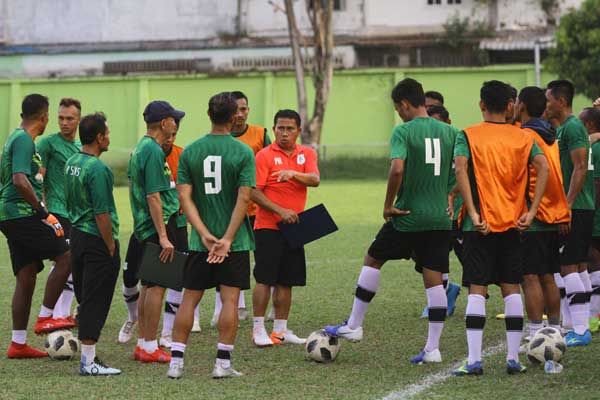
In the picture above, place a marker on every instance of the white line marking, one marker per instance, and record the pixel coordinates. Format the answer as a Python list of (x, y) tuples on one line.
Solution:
[(437, 378)]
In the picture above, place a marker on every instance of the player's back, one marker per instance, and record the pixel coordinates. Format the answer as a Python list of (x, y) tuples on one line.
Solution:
[(428, 148)]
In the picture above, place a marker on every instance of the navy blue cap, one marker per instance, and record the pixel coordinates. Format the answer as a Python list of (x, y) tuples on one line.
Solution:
[(159, 109)]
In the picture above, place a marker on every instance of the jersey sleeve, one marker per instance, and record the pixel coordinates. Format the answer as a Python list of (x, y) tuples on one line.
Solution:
[(577, 137), (596, 159), (44, 150), (154, 173), (248, 172), (263, 169), (22, 153), (311, 166), (100, 189), (398, 144), (267, 140), (461, 146), (535, 150), (183, 172)]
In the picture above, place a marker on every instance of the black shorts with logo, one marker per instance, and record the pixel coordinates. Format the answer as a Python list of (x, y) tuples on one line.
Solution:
[(540, 253), (234, 271), (574, 246), (31, 241), (492, 259), (276, 262), (429, 249)]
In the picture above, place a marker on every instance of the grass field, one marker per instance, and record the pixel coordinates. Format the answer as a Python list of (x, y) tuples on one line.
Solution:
[(371, 369)]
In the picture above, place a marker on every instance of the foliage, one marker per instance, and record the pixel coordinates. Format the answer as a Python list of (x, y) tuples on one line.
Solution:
[(462, 31), (577, 53)]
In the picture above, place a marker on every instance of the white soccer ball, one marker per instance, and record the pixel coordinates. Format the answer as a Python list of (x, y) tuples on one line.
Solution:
[(321, 347), (547, 344), (61, 345)]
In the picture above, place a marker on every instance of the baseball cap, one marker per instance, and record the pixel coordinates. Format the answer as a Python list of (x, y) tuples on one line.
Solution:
[(159, 109)]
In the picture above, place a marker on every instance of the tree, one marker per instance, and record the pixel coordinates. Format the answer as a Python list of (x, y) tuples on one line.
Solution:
[(577, 53), (320, 14)]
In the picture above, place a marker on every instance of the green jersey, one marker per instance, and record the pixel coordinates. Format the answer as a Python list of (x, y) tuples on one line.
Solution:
[(89, 192), (572, 135), (18, 156), (55, 150), (596, 164), (217, 166), (426, 145), (149, 173)]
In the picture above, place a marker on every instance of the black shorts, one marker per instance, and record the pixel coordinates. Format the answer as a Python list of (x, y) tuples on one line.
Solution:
[(492, 259), (276, 262), (181, 239), (540, 253), (456, 241), (171, 228), (131, 266), (574, 246), (429, 249), (595, 242), (66, 224), (31, 241), (234, 271)]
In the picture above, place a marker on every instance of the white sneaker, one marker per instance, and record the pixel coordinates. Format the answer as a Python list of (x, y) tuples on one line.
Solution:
[(126, 331), (242, 314), (220, 372), (97, 368), (343, 330), (165, 341), (523, 348), (271, 314), (427, 357), (175, 370), (290, 338), (214, 320), (260, 338), (196, 326)]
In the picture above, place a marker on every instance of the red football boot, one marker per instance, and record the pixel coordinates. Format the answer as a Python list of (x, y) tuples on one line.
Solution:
[(136, 353), (49, 324), (16, 350), (159, 356)]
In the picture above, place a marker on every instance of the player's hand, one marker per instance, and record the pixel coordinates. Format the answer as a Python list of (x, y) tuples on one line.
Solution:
[(168, 250), (388, 213), (480, 225), (289, 216), (564, 229), (450, 209), (219, 251), (53, 223), (284, 175), (111, 249), (209, 241), (524, 222), (597, 103)]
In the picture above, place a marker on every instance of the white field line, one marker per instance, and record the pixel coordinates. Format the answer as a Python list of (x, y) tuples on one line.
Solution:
[(437, 378)]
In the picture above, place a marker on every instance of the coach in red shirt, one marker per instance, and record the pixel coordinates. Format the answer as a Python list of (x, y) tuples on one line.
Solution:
[(284, 170)]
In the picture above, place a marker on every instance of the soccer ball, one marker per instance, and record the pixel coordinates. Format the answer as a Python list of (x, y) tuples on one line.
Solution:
[(321, 347), (547, 344), (61, 345)]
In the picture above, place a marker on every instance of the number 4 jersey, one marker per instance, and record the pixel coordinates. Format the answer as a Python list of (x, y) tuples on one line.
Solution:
[(217, 166), (426, 146)]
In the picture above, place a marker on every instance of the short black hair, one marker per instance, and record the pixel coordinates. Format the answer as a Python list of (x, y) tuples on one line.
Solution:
[(441, 110), (495, 95), (237, 95), (290, 114), (221, 108), (90, 126), (534, 99), (33, 106), (432, 94), (591, 114), (410, 90), (513, 92), (562, 88)]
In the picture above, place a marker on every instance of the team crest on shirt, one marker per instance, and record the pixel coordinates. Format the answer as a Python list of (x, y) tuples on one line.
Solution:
[(300, 160), (278, 161)]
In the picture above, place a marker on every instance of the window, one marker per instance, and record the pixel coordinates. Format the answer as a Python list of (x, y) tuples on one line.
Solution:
[(454, 1), (338, 5), (434, 2)]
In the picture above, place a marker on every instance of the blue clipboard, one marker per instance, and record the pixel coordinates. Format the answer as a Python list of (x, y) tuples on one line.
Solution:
[(315, 223)]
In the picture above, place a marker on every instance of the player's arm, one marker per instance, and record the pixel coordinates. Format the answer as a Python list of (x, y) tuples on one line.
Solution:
[(579, 157), (222, 247), (25, 189), (461, 164), (21, 169), (184, 192), (155, 207), (395, 177), (288, 216), (104, 224), (306, 179), (540, 163)]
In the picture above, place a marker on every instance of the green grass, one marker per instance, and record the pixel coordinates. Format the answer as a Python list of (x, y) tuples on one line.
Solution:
[(369, 370)]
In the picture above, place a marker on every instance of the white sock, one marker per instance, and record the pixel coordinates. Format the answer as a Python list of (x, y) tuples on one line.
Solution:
[(140, 343), (259, 324), (535, 326), (280, 325), (45, 312), (576, 298), (513, 319), (131, 296), (218, 303), (66, 299), (88, 353), (242, 300), (19, 337), (475, 322), (565, 312), (150, 346), (224, 355), (177, 351), (367, 284), (445, 281), (587, 284), (437, 304), (595, 300), (172, 303), (197, 313), (57, 312)]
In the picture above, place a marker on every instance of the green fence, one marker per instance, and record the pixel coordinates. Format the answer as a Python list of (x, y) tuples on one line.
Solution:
[(359, 117)]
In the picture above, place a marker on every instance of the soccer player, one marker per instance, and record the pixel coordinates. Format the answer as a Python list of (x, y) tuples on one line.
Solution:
[(433, 98), (440, 113), (94, 238), (590, 117), (284, 170), (257, 138), (492, 162), (55, 150), (417, 223), (155, 207), (215, 178), (540, 241), (578, 181), (32, 233)]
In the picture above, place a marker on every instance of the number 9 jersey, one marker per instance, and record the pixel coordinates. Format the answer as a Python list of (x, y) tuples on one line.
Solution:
[(426, 145), (217, 166)]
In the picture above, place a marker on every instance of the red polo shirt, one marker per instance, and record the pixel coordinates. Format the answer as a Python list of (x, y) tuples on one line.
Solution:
[(290, 194)]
